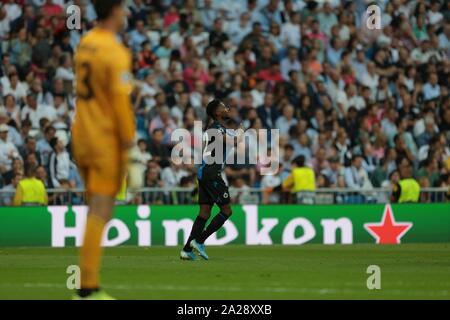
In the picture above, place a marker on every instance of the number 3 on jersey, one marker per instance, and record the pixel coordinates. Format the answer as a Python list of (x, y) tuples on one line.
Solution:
[(84, 88)]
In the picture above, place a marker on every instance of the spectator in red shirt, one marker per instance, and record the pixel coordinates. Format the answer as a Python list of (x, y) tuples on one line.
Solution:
[(171, 17), (54, 16), (272, 75), (49, 9), (146, 56), (316, 34), (195, 72)]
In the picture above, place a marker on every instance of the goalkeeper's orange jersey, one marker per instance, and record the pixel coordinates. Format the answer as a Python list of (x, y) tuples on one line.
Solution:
[(103, 116)]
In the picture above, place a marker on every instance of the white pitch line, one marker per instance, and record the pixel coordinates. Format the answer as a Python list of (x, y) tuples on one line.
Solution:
[(170, 288)]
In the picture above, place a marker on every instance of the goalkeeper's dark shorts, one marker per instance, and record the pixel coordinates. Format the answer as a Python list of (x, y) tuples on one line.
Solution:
[(213, 191)]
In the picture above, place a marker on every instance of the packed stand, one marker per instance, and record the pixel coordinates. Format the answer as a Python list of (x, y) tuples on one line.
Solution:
[(351, 103)]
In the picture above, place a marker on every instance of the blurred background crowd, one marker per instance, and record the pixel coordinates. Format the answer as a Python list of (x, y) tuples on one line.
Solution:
[(352, 103)]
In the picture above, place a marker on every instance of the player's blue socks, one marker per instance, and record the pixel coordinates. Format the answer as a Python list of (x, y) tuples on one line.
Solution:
[(216, 223), (197, 229)]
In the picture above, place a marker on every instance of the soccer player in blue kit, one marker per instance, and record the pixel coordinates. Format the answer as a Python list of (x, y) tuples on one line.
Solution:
[(212, 187)]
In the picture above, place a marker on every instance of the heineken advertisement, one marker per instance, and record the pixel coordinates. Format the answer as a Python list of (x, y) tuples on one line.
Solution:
[(62, 226)]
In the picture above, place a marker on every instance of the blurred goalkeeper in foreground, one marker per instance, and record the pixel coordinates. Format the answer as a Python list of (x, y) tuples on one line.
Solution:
[(103, 131)]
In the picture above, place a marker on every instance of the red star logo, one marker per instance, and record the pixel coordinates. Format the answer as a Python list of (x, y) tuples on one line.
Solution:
[(388, 231)]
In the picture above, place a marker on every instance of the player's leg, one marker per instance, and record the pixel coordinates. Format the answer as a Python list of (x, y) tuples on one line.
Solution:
[(198, 244), (222, 197), (199, 225), (102, 179), (197, 229), (216, 223), (100, 212), (206, 203)]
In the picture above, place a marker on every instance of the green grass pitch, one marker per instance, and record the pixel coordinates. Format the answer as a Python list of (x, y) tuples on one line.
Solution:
[(237, 272)]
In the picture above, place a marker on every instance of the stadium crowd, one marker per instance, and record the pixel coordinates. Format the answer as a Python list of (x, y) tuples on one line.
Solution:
[(356, 103)]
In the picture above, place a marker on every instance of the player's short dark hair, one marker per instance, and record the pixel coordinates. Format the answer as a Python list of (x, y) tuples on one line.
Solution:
[(211, 108), (104, 8)]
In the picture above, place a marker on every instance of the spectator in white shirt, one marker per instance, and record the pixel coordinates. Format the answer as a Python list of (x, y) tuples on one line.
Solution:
[(11, 109), (8, 191), (139, 157), (13, 134), (172, 174), (200, 38), (444, 39), (6, 68), (177, 38), (354, 99), (258, 93), (61, 108), (59, 163), (349, 98), (327, 18), (268, 184), (8, 151), (197, 94), (370, 79), (389, 125), (286, 121), (208, 14), (291, 31), (334, 85), (4, 24), (356, 177), (149, 89), (35, 112), (359, 64), (43, 144), (13, 10), (434, 15), (65, 69), (383, 91), (138, 35), (237, 30), (15, 87), (431, 89), (290, 63), (334, 51), (423, 53)]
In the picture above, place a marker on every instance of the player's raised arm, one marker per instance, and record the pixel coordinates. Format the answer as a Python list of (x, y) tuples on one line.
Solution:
[(234, 132)]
